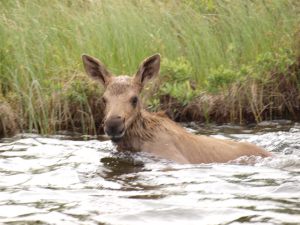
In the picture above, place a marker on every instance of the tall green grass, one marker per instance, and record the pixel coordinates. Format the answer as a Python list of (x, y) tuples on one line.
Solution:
[(42, 41)]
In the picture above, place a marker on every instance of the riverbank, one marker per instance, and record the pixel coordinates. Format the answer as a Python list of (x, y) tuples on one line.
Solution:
[(221, 62), (79, 107), (272, 95)]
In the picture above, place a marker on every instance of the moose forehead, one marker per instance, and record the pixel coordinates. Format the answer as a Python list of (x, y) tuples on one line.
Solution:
[(120, 85)]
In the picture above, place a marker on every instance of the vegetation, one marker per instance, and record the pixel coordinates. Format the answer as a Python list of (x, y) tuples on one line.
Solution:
[(224, 61)]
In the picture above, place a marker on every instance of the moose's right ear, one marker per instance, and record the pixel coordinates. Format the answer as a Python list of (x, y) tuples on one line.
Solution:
[(96, 69)]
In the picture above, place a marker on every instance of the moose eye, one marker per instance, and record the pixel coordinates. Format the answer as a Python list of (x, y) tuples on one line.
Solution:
[(134, 101)]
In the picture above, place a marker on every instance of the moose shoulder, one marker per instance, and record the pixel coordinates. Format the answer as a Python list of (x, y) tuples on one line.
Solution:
[(133, 128)]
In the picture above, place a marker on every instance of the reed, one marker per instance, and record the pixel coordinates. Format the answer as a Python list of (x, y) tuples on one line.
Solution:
[(41, 72)]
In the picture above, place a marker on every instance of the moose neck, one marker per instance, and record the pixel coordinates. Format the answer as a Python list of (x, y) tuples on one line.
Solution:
[(142, 129)]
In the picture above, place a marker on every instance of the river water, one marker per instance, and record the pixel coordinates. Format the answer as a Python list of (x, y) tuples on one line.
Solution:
[(77, 180)]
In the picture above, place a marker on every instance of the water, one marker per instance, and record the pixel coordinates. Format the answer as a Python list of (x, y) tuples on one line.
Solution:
[(57, 180)]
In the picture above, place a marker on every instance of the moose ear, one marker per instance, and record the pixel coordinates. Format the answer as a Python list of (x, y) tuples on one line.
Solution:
[(148, 69), (96, 69)]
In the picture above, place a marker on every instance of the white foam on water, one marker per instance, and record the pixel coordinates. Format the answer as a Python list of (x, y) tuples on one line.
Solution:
[(58, 181)]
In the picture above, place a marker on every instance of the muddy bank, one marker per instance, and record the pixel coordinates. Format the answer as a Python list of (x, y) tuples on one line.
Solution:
[(277, 96), (78, 107), (8, 120)]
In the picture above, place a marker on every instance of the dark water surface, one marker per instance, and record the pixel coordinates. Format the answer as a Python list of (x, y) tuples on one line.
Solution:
[(56, 180)]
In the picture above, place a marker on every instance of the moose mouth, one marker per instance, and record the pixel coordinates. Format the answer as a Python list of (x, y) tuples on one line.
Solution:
[(117, 138)]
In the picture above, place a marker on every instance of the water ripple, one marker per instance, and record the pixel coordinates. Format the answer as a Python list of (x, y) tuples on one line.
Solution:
[(57, 180)]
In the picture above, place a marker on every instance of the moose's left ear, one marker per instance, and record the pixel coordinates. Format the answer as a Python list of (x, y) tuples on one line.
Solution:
[(148, 69)]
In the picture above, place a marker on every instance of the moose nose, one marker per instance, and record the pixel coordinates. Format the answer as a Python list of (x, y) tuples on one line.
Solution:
[(114, 126)]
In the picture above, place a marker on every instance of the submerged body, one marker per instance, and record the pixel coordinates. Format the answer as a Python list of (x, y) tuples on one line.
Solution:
[(162, 137), (134, 129)]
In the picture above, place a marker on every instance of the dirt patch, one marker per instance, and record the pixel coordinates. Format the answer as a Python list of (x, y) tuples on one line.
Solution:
[(8, 125)]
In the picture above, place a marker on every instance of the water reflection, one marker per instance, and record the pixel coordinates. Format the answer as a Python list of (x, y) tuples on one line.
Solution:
[(119, 164), (64, 180)]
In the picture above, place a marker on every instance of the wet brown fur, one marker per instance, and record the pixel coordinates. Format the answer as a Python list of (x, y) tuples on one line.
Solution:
[(155, 133)]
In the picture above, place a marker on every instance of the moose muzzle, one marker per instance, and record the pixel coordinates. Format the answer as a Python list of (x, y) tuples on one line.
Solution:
[(114, 127)]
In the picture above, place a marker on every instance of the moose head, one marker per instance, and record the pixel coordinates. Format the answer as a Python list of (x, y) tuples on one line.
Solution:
[(122, 93)]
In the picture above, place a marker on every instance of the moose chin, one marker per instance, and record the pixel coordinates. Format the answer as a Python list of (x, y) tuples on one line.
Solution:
[(133, 128)]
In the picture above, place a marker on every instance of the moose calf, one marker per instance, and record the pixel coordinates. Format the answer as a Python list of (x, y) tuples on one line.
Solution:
[(133, 128)]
